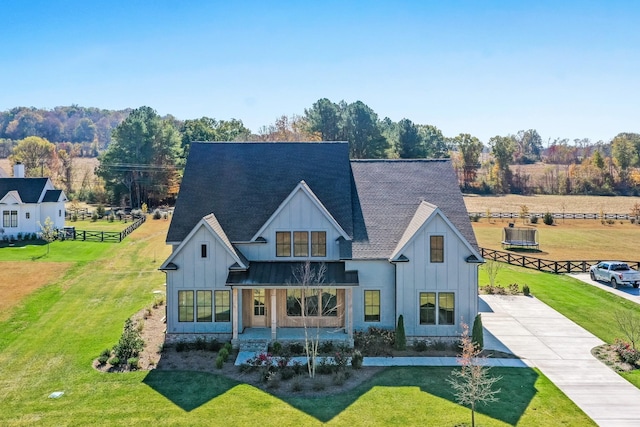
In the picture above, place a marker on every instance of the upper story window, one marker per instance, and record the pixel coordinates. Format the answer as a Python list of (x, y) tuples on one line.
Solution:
[(437, 248), (304, 243), (203, 250)]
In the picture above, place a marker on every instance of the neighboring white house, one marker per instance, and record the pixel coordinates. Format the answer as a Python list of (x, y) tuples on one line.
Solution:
[(27, 202), (393, 236)]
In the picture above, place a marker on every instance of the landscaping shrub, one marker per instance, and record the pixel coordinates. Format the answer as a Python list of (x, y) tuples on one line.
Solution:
[(514, 289), (325, 347), (548, 218), (356, 359), (106, 352), (401, 339), (474, 218), (157, 214), (132, 362), (319, 385), (296, 384), (299, 368), (276, 348), (325, 367), (525, 290), (296, 348), (200, 344), (420, 346), (477, 337), (533, 219), (340, 377), (224, 353), (182, 346), (102, 360), (220, 361), (374, 341), (130, 343), (228, 346), (286, 373), (214, 345), (626, 352), (114, 361)]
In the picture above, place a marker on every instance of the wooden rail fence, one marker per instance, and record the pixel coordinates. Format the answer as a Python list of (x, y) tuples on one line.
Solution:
[(102, 236), (546, 265), (514, 215)]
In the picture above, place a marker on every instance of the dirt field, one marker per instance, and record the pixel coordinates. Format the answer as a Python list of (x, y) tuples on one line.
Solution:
[(20, 279), (554, 204)]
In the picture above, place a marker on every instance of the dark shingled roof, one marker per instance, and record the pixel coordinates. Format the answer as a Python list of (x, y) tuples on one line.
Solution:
[(390, 191), (244, 183), (29, 189), (372, 200), (52, 196)]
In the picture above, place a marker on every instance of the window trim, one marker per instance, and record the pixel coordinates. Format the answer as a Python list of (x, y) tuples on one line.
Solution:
[(436, 251), (438, 312), (219, 315), (373, 305)]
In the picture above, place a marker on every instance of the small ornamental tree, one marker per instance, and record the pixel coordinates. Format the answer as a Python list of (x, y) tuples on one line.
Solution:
[(477, 334), (401, 339), (471, 382), (47, 232)]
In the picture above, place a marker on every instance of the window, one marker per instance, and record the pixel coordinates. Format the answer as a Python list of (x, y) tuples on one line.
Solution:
[(427, 308), (311, 302), (223, 306), (446, 308), (294, 302), (258, 302), (318, 243), (203, 250), (330, 302), (203, 301), (9, 219), (371, 306), (60, 213), (185, 306), (283, 243), (437, 248), (300, 243), (27, 215)]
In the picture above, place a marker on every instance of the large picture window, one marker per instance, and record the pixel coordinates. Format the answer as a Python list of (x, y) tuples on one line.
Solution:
[(437, 248), (223, 306), (310, 300), (300, 243), (442, 313), (283, 243), (330, 302), (319, 243), (294, 302), (203, 308), (371, 306), (185, 306)]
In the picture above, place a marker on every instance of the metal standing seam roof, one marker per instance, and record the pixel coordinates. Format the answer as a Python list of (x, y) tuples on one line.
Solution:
[(283, 274)]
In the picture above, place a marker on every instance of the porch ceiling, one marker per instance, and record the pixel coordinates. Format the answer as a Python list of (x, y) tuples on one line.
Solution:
[(283, 275)]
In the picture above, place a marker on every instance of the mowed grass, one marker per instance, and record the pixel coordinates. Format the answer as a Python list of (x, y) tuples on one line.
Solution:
[(592, 308), (569, 239), (53, 335), (99, 225)]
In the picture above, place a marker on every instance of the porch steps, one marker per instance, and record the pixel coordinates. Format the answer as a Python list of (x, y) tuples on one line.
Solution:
[(254, 346)]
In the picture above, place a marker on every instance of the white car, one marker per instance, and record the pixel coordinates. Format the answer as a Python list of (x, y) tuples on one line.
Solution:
[(616, 273)]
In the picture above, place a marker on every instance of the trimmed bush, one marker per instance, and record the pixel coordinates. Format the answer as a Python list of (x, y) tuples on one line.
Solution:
[(102, 360), (219, 361), (115, 361), (132, 362), (477, 334), (130, 343), (276, 348), (228, 346), (420, 346), (533, 219), (224, 353), (401, 339), (182, 346), (525, 290), (356, 359), (548, 218)]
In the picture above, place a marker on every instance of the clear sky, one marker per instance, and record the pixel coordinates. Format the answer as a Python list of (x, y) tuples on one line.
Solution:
[(569, 69)]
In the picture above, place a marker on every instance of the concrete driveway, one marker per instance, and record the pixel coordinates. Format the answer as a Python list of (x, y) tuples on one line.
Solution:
[(561, 349)]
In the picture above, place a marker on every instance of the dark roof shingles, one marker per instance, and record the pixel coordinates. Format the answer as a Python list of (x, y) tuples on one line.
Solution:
[(29, 189)]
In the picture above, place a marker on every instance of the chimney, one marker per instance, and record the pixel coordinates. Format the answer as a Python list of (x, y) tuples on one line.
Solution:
[(18, 170)]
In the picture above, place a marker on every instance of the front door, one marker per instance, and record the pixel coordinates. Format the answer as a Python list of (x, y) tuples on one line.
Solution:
[(259, 308)]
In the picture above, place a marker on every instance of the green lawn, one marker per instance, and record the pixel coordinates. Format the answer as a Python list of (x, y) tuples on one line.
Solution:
[(99, 225), (49, 342), (586, 305)]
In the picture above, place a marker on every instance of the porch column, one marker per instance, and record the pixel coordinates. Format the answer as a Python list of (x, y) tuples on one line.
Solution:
[(350, 315), (274, 314), (234, 314)]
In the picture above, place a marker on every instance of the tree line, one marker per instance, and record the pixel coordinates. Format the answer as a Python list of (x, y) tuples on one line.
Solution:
[(142, 154)]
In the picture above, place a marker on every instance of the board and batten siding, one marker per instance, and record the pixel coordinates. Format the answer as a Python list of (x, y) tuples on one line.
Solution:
[(197, 273), (374, 275), (299, 214), (419, 274)]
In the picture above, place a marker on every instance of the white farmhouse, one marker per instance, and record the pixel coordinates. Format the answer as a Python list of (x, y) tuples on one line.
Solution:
[(393, 237)]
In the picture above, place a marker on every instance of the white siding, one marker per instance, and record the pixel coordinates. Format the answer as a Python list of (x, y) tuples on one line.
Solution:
[(197, 273), (300, 214), (374, 275), (420, 275)]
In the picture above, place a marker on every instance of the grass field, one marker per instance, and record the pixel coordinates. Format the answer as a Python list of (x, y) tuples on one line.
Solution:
[(554, 204), (100, 225), (54, 333)]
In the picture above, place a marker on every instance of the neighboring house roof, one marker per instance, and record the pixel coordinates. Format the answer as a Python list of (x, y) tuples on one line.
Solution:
[(389, 193), (52, 196), (244, 183), (374, 201), (30, 189)]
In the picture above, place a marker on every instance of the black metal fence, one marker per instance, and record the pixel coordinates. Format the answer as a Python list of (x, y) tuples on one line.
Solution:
[(546, 265), (100, 236)]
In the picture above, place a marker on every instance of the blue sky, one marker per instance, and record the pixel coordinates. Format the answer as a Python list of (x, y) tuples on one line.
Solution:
[(568, 69)]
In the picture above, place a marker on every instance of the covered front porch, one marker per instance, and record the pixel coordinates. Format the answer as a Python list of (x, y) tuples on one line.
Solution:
[(270, 304)]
